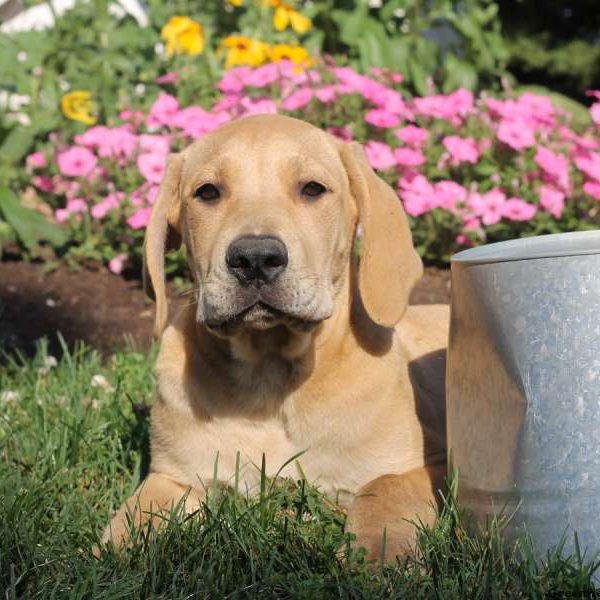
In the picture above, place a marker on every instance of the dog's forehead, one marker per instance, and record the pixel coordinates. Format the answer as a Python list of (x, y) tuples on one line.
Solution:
[(274, 137)]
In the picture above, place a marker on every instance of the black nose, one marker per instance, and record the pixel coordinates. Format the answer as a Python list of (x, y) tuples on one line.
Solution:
[(257, 259)]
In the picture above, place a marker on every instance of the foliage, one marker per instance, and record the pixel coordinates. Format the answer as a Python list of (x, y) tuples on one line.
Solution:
[(118, 62), (192, 59), (467, 169), (74, 434), (442, 44), (572, 66), (558, 47)]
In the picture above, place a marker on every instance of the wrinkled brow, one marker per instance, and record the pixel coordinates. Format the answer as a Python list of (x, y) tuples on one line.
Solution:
[(306, 167)]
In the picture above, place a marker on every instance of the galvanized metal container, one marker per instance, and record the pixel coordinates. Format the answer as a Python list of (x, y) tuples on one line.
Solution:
[(523, 386)]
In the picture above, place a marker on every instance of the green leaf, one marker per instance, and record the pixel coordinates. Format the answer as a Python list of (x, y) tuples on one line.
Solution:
[(17, 144), (30, 226), (459, 74), (418, 76)]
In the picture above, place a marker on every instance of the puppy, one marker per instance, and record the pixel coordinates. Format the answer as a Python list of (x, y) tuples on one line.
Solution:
[(292, 345)]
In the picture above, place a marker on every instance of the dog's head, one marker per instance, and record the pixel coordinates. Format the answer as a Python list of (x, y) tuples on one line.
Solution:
[(267, 207)]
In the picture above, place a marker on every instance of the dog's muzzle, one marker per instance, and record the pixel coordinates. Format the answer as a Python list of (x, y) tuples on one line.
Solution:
[(256, 260)]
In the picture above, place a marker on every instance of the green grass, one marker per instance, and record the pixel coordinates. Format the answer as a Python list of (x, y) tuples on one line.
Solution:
[(71, 452)]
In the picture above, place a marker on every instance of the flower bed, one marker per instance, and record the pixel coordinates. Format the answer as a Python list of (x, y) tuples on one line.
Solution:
[(468, 169)]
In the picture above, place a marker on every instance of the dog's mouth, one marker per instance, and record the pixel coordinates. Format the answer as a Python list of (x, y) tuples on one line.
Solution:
[(260, 316)]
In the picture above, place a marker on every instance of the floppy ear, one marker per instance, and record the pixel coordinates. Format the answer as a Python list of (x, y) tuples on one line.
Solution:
[(389, 266), (162, 235)]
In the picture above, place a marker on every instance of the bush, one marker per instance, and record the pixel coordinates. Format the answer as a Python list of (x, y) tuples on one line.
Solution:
[(467, 169)]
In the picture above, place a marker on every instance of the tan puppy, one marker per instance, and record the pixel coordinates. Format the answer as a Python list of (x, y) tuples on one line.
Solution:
[(288, 346)]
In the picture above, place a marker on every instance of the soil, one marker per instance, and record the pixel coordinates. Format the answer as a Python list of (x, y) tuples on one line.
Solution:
[(101, 309)]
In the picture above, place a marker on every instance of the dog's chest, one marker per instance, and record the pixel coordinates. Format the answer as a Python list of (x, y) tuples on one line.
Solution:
[(233, 449)]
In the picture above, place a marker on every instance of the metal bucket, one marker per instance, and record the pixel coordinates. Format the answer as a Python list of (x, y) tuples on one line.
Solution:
[(523, 386)]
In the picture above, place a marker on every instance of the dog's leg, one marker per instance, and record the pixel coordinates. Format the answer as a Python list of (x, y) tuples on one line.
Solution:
[(395, 503), (151, 503)]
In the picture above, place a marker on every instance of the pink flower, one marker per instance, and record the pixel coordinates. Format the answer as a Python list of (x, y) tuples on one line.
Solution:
[(297, 99), (196, 122), (259, 106), (516, 209), (139, 219), (135, 117), (516, 134), (76, 162), (92, 137), (453, 107), (155, 144), (380, 155), (461, 149), (392, 102), (589, 163), (233, 80), (408, 157), (412, 135), (76, 205), (152, 166), (118, 141), (44, 183), (382, 118), (592, 188), (112, 201), (552, 200), (167, 78), (555, 166), (417, 194), (228, 102), (117, 263), (163, 111), (152, 194), (488, 206), (582, 142), (353, 82), (344, 133), (262, 76), (61, 215), (326, 94), (595, 112), (37, 160), (449, 195)]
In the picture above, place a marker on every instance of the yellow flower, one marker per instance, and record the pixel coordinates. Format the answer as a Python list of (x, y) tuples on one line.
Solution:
[(296, 54), (235, 2), (78, 106), (183, 36), (244, 51), (285, 15)]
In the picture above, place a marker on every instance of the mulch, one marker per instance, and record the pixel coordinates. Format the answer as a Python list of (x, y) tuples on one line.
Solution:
[(101, 309)]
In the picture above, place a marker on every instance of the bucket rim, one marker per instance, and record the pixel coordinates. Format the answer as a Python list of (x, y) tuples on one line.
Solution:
[(553, 245)]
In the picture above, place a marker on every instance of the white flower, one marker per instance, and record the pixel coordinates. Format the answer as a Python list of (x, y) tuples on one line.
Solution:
[(101, 382), (159, 49), (375, 3), (50, 362), (399, 13), (64, 85), (20, 118), (140, 89), (22, 56), (9, 396), (13, 102)]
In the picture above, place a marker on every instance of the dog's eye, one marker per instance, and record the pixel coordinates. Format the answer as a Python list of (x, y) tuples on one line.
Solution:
[(313, 189), (207, 192)]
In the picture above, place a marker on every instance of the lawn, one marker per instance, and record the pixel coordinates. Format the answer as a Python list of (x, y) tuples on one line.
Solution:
[(74, 443)]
